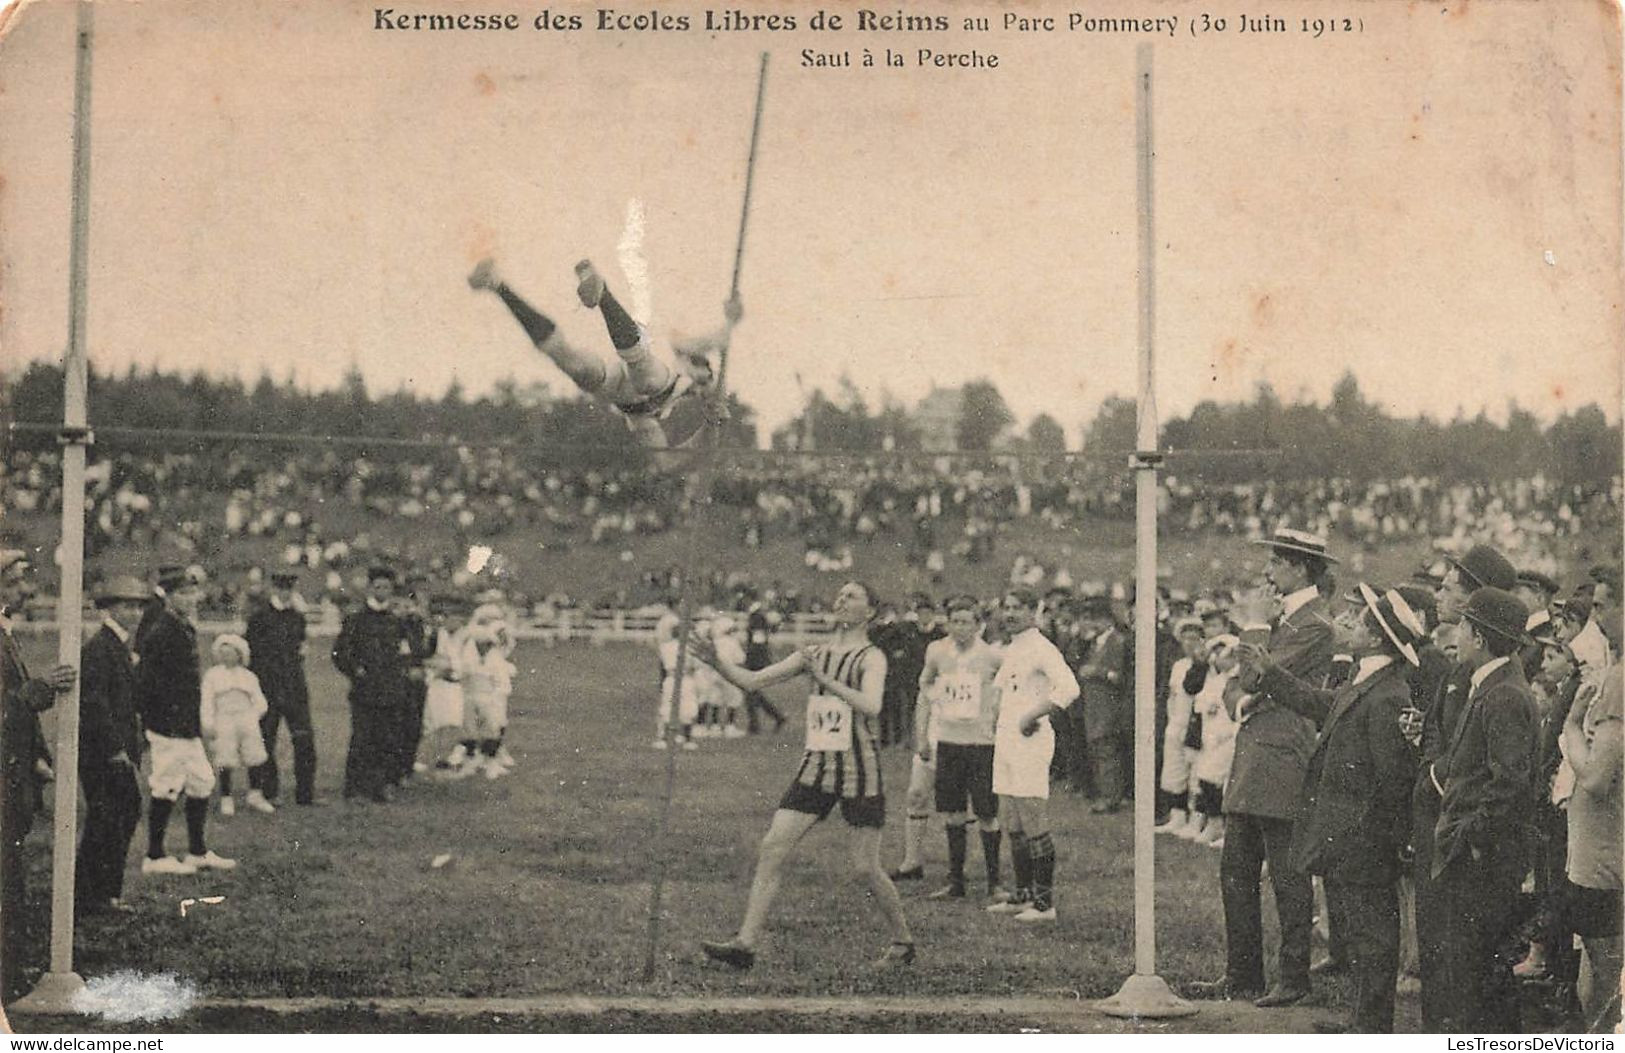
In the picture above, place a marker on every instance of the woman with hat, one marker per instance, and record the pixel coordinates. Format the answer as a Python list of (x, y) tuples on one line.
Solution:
[(1354, 806)]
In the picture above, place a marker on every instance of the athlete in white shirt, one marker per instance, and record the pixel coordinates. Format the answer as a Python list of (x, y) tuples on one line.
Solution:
[(1033, 681)]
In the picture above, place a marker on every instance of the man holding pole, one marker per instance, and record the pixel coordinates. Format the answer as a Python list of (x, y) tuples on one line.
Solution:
[(23, 698), (109, 749)]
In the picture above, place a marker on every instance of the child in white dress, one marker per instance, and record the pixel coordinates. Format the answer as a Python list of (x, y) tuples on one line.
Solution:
[(233, 704)]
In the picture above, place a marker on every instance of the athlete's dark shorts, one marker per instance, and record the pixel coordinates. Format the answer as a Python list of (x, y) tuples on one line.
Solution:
[(857, 811), (965, 771), (1595, 913)]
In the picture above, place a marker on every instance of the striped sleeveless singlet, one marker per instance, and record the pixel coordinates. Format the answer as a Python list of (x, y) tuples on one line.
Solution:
[(846, 773)]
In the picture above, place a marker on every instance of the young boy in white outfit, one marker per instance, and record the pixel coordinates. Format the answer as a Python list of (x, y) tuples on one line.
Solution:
[(487, 678), (232, 707)]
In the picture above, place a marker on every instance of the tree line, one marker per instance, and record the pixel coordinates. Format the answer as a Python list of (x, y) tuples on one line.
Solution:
[(1350, 436)]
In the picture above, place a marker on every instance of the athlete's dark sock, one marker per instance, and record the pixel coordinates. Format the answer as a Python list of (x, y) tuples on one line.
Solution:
[(1021, 858), (990, 856), (157, 822), (1042, 851), (623, 332), (197, 814), (956, 853), (537, 325)]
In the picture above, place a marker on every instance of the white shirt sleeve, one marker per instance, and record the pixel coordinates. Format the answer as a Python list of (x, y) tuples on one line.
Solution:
[(1064, 689)]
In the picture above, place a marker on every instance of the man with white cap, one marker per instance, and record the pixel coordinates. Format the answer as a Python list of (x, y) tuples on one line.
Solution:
[(1273, 746), (21, 743), (169, 692), (1355, 805)]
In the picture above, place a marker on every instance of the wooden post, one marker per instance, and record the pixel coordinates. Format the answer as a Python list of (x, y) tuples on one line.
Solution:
[(56, 989), (1145, 994)]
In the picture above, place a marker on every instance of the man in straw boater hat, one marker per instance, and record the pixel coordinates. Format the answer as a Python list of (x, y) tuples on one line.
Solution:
[(643, 385), (1355, 807), (1479, 566), (1288, 619), (23, 698), (169, 692), (109, 747), (276, 646), (1483, 779)]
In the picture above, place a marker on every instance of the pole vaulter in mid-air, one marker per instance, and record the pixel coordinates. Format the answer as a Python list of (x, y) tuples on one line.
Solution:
[(639, 381)]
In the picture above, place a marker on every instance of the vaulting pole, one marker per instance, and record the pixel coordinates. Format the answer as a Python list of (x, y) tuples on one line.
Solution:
[(1145, 994), (700, 494), (57, 988)]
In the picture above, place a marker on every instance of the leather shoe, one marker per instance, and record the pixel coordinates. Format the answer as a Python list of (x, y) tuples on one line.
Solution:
[(1329, 967), (1219, 990), (1278, 996), (909, 874), (729, 952)]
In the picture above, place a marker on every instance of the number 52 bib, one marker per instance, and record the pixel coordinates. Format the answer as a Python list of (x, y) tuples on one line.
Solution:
[(829, 723)]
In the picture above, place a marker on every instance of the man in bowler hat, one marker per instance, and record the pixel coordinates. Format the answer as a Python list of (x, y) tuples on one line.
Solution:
[(276, 648), (1483, 778)]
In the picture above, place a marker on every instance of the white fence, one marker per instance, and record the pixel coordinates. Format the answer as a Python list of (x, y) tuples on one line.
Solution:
[(596, 627)]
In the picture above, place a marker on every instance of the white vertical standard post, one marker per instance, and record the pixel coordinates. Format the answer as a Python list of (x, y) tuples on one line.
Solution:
[(1144, 994), (56, 989)]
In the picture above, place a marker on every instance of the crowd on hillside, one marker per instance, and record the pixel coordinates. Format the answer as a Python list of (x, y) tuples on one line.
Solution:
[(331, 511)]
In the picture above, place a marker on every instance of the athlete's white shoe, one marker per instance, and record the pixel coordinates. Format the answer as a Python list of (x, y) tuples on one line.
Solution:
[(660, 744), (1033, 914), (494, 770), (228, 806), (733, 731), (590, 286), (209, 860), (166, 865), (690, 744), (256, 800), (505, 758), (1012, 906)]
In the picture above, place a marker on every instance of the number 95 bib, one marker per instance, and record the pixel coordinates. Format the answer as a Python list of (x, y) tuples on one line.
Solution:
[(829, 724)]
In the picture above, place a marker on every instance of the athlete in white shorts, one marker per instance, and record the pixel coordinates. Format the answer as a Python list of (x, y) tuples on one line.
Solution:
[(1033, 681), (642, 385)]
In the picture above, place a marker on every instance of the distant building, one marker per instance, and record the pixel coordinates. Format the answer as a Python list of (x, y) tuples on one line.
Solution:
[(937, 417)]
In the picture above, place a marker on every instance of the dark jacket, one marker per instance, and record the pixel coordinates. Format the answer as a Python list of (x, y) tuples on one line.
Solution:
[(1105, 688), (1354, 813), (374, 650), (1273, 743), (108, 720), (21, 740), (169, 678), (1486, 772), (274, 639)]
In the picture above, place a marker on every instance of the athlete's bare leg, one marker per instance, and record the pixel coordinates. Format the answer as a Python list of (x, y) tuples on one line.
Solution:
[(866, 865), (783, 834)]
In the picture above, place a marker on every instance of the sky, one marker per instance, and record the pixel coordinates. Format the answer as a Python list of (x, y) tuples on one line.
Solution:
[(1433, 202)]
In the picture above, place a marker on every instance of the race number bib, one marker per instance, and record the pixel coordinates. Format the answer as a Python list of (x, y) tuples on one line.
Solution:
[(829, 724), (962, 697)]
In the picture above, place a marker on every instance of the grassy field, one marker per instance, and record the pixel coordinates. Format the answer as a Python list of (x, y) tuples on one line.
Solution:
[(549, 886)]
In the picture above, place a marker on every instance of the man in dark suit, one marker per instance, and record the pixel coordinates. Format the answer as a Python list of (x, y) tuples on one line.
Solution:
[(1273, 746), (22, 699), (276, 648), (1483, 777), (1107, 707), (1480, 566), (373, 651), (109, 749), (1351, 824)]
